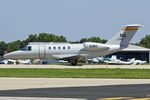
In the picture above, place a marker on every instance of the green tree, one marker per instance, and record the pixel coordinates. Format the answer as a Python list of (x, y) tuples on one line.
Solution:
[(3, 47), (84, 40), (23, 43), (103, 41), (43, 37), (13, 46), (62, 39), (93, 39), (145, 42), (46, 37), (32, 38)]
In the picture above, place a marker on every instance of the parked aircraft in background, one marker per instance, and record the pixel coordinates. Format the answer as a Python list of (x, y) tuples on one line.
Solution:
[(72, 52), (27, 61), (93, 60), (2, 62), (9, 61), (114, 60), (138, 62)]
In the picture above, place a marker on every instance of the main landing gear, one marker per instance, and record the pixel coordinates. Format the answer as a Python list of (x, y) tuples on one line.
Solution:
[(74, 62)]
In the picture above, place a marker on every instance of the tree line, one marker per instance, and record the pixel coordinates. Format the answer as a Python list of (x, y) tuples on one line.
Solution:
[(145, 42), (42, 37), (47, 37)]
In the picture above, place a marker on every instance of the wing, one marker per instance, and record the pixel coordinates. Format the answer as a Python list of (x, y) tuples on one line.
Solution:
[(66, 56)]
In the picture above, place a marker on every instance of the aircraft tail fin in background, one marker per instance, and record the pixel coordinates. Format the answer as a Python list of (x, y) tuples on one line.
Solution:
[(124, 36)]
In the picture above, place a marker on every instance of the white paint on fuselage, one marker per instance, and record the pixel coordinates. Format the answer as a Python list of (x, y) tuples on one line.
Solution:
[(73, 49), (57, 51)]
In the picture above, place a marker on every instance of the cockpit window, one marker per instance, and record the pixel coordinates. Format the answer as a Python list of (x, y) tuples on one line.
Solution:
[(29, 48)]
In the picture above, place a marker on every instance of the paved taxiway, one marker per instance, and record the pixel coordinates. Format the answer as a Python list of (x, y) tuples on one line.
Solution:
[(134, 92), (83, 66), (29, 83), (73, 89)]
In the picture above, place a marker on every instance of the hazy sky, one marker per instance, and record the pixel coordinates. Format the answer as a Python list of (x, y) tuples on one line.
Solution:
[(74, 19)]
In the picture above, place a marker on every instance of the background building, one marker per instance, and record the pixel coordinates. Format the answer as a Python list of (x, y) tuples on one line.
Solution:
[(134, 51)]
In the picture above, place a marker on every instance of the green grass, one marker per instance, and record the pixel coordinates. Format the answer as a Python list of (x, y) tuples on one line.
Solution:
[(76, 73)]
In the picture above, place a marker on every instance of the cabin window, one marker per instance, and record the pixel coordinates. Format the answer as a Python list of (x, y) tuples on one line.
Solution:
[(54, 48), (64, 47), (29, 48), (59, 48), (68, 47), (49, 48)]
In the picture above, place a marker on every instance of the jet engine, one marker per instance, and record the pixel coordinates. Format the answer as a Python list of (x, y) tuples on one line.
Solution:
[(95, 46)]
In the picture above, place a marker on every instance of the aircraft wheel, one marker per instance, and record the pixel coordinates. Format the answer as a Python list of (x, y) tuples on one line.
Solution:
[(74, 62)]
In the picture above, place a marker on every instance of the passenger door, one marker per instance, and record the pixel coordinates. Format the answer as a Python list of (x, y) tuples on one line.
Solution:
[(41, 51)]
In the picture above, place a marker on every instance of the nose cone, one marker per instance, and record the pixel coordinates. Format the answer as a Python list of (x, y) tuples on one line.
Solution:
[(13, 55)]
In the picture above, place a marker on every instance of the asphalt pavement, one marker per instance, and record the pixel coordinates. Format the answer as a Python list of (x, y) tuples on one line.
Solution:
[(130, 92), (74, 89)]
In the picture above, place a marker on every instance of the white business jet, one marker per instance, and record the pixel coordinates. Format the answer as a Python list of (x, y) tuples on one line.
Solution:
[(72, 52)]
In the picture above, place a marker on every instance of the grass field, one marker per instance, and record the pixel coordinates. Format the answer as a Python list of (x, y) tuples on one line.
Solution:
[(76, 73)]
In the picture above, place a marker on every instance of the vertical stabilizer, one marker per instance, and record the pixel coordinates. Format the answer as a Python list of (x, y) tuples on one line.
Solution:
[(123, 37)]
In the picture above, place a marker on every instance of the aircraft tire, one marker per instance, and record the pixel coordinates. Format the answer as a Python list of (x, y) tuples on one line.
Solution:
[(74, 62)]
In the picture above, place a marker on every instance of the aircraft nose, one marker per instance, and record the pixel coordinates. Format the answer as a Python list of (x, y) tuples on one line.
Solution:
[(12, 55)]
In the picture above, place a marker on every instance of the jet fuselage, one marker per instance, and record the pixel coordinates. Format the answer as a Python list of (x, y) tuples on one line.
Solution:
[(61, 50)]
